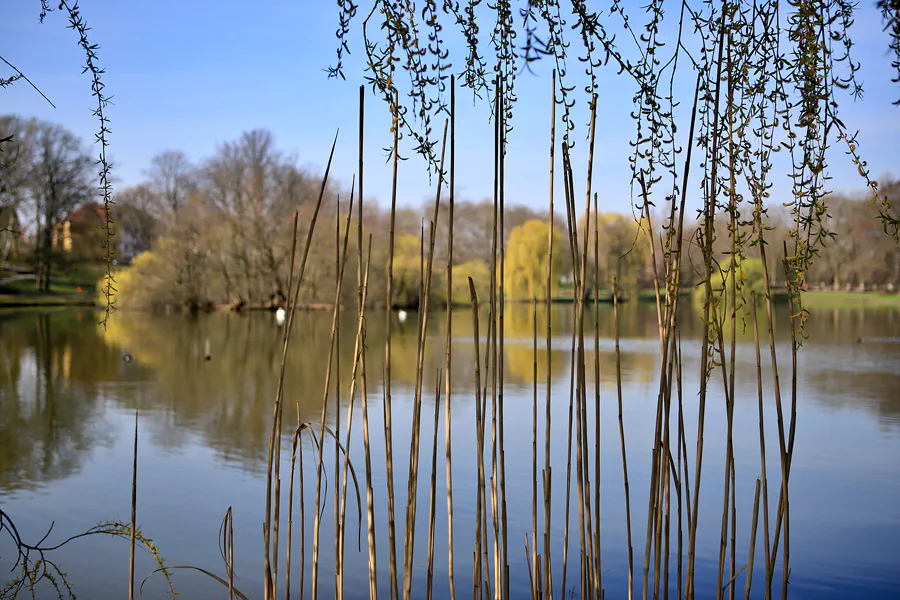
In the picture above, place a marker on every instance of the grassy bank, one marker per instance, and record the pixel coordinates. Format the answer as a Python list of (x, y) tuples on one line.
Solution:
[(817, 299), (75, 288)]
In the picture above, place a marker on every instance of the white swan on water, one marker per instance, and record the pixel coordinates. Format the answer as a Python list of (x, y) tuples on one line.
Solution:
[(279, 316), (402, 316)]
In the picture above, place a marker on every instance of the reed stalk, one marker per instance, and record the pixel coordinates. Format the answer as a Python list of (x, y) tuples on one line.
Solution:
[(532, 559), (729, 380), (338, 272), (685, 478), (287, 554), (332, 345), (449, 353), (622, 440), (479, 443), (762, 444), (492, 352), (547, 473), (363, 282), (598, 570), (433, 492), (409, 533), (794, 305), (370, 494), (133, 530), (593, 571), (708, 237), (358, 355), (782, 445), (229, 546), (572, 245), (388, 435), (273, 452), (504, 575), (752, 551), (654, 514), (287, 557)]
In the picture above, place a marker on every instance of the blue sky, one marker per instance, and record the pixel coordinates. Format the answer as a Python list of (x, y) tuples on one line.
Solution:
[(186, 76)]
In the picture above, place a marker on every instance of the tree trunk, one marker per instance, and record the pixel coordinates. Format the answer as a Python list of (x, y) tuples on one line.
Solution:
[(47, 255)]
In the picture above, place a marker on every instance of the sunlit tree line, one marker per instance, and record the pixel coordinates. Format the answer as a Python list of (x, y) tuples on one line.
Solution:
[(219, 232)]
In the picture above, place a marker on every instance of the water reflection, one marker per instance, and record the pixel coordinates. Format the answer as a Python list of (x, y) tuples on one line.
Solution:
[(57, 369), (50, 417), (67, 394)]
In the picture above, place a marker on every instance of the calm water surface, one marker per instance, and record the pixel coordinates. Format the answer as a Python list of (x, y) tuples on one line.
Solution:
[(68, 396)]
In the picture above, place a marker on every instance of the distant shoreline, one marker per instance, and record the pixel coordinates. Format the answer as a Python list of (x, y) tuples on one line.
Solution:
[(816, 299)]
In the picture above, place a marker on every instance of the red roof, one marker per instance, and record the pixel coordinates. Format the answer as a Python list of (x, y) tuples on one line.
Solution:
[(90, 211)]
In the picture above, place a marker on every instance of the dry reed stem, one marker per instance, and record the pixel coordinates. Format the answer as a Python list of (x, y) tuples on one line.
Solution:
[(287, 558), (370, 494), (287, 555), (338, 272), (269, 579), (229, 515), (729, 380), (363, 282), (572, 245), (532, 559), (547, 474), (433, 492), (448, 369), (685, 482), (492, 348), (598, 570), (478, 565), (409, 533), (790, 446), (388, 435), (733, 529), (709, 233), (358, 351), (528, 562), (653, 503), (622, 440), (675, 272), (762, 443), (502, 452), (332, 345), (778, 409), (593, 573), (133, 531), (752, 551)]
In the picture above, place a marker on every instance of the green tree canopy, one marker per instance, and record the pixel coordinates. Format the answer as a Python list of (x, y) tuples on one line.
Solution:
[(526, 259)]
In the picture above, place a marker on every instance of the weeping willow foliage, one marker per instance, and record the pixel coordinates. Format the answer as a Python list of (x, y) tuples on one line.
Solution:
[(788, 66)]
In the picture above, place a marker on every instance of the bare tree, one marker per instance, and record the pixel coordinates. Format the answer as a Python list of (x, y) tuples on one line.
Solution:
[(172, 174), (16, 134), (59, 179), (136, 216), (254, 188)]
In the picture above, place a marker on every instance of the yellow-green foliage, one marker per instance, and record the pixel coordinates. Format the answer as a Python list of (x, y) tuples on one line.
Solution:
[(526, 259), (408, 270), (480, 272), (142, 285), (748, 278), (624, 250)]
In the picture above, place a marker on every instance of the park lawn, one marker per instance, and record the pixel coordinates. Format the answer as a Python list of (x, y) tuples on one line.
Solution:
[(816, 299), (13, 300), (64, 289)]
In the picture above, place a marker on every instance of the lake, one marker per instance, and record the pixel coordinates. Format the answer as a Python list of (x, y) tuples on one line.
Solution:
[(69, 391)]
